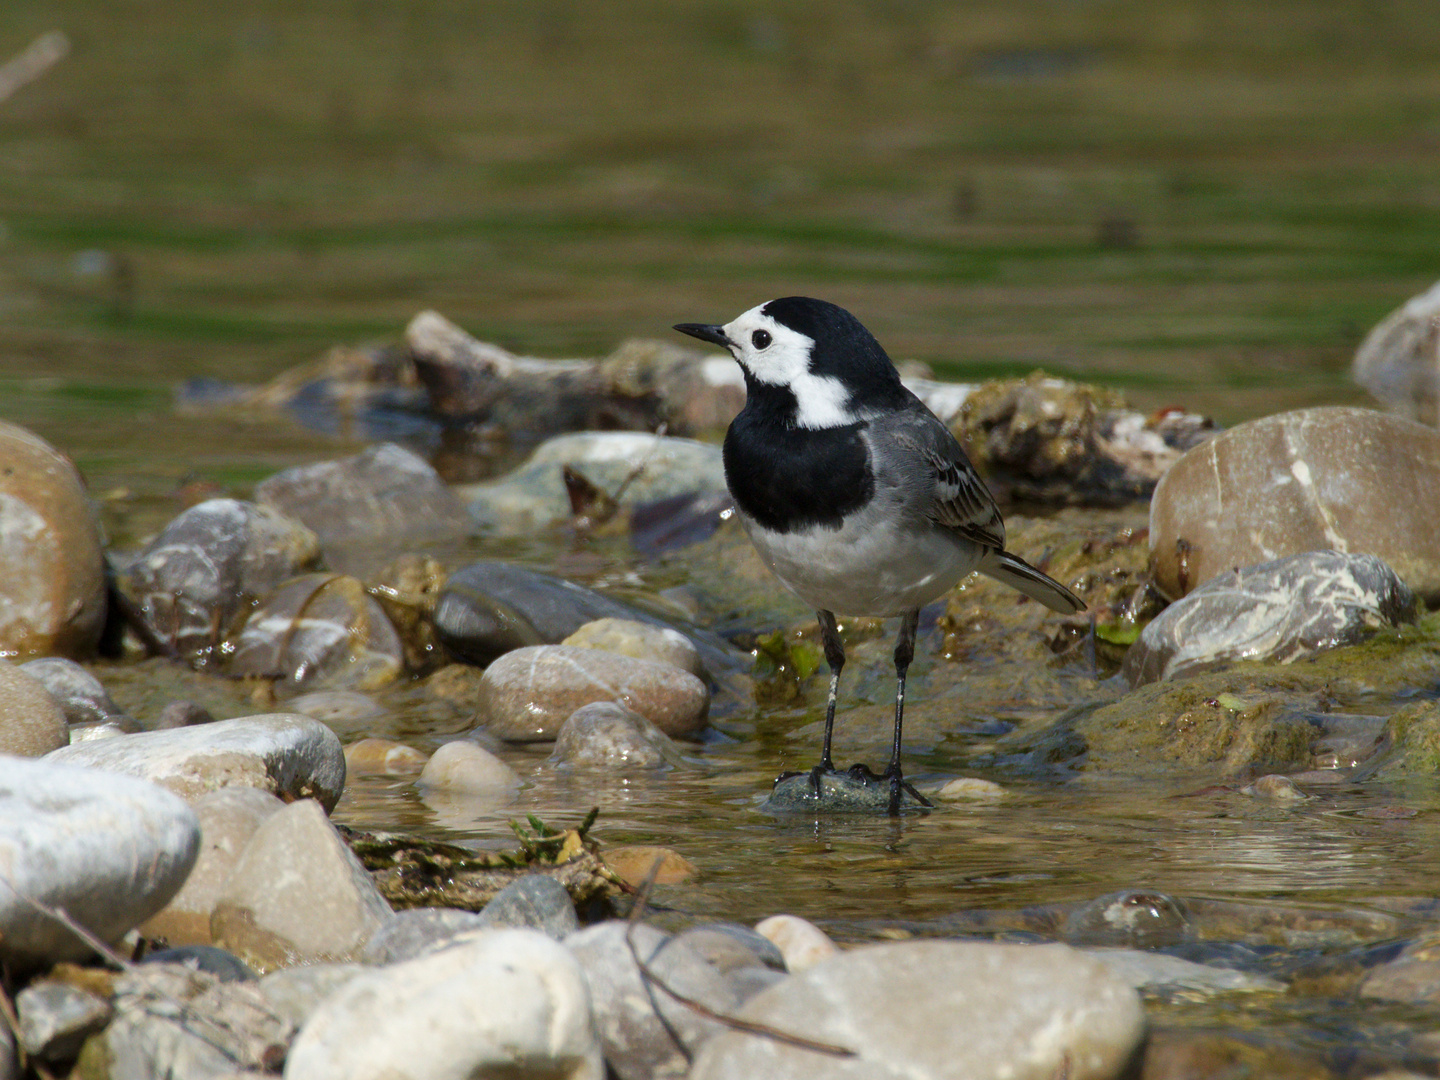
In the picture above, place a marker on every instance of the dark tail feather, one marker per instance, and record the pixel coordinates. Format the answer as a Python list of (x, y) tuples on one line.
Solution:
[(1018, 574)]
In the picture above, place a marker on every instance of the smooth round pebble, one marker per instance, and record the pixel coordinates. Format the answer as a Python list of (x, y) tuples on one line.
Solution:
[(382, 757), (607, 735), (533, 902), (417, 931), (971, 787), (81, 696), (1274, 787), (462, 767), (640, 640), (527, 694), (633, 863), (507, 1003), (801, 942)]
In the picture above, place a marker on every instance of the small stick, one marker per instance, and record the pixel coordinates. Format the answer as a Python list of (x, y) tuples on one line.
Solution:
[(750, 1026)]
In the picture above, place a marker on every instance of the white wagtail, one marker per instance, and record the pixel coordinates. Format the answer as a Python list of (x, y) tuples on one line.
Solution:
[(854, 493)]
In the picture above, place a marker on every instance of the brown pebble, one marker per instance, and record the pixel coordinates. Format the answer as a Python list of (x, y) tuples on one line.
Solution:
[(383, 757), (633, 863)]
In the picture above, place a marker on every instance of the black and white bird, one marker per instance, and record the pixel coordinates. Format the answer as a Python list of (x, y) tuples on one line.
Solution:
[(855, 494)]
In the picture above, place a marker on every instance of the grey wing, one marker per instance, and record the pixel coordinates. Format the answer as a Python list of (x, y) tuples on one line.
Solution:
[(961, 500)]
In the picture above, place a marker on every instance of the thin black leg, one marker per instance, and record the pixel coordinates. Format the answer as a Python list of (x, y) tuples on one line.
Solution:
[(835, 657), (904, 653)]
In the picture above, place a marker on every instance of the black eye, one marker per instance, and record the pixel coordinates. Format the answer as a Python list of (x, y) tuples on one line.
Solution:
[(760, 339)]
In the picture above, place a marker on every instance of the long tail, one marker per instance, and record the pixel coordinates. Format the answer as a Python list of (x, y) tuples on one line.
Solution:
[(1018, 574)]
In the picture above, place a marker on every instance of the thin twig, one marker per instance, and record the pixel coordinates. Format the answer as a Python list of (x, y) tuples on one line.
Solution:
[(749, 1026)]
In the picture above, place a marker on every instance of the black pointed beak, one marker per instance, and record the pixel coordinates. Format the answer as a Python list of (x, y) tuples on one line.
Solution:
[(713, 334)]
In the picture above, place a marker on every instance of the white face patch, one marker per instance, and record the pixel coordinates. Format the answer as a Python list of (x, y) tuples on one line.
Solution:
[(780, 356)]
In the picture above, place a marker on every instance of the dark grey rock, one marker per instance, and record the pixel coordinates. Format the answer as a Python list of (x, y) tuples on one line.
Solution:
[(1277, 611), (840, 793), (607, 735), (56, 1019), (385, 493), (534, 902), (638, 1043), (81, 696), (416, 931), (1135, 918), (188, 584), (490, 608), (225, 966)]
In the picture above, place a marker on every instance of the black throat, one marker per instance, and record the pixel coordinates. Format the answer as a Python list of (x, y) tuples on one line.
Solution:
[(789, 477)]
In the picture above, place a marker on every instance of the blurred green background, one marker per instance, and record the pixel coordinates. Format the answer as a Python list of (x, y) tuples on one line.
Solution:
[(1207, 203)]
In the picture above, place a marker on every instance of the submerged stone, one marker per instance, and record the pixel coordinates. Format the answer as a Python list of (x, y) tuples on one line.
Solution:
[(1137, 918), (1398, 362), (840, 793)]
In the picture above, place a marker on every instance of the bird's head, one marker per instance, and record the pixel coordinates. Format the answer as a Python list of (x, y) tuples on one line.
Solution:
[(813, 349)]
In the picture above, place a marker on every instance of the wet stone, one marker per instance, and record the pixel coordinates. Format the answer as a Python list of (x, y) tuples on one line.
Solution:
[(81, 696), (177, 714), (489, 608), (31, 722), (1135, 918), (970, 788), (463, 767), (533, 902), (1411, 744), (382, 757), (634, 862), (208, 565), (730, 946), (639, 640), (385, 493), (1282, 610), (1275, 788), (319, 630), (1412, 977), (840, 793), (607, 735), (1017, 1012), (56, 1019), (348, 713), (291, 756), (417, 931), (526, 695), (52, 569), (1326, 478)]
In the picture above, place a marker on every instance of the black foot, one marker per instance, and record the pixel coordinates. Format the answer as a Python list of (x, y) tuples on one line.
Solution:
[(896, 780)]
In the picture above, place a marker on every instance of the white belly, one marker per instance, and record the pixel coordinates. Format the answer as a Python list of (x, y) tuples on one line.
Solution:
[(866, 567)]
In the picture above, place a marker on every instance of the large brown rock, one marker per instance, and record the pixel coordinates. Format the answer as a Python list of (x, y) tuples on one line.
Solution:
[(52, 569), (1350, 480)]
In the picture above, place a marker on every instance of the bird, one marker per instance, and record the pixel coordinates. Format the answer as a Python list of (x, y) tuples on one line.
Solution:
[(854, 494)]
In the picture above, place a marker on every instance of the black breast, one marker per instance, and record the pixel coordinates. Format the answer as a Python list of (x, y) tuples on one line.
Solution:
[(789, 478)]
